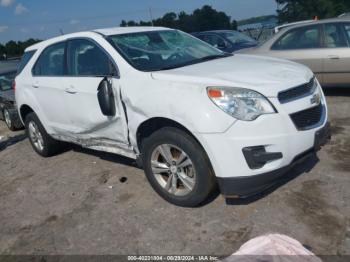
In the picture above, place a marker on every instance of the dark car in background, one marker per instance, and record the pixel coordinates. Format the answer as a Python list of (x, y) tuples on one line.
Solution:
[(8, 110), (227, 40)]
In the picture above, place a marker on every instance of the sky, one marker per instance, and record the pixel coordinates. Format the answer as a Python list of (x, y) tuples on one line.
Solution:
[(23, 19)]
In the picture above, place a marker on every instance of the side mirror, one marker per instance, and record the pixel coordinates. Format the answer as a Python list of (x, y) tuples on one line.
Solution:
[(106, 97)]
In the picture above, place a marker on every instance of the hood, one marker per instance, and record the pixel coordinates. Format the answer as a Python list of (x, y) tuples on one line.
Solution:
[(267, 76)]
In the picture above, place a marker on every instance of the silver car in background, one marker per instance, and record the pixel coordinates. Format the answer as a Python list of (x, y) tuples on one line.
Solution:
[(323, 46)]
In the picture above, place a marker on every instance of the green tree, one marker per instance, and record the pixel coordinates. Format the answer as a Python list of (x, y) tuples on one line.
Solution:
[(12, 49), (2, 51), (202, 19), (296, 10), (16, 49)]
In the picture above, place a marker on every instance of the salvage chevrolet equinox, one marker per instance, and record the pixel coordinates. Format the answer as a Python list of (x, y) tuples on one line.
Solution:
[(196, 118)]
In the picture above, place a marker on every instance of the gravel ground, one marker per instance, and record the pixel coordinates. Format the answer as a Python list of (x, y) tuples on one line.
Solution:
[(79, 203)]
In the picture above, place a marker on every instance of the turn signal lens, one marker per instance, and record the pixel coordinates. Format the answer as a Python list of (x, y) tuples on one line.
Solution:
[(214, 93)]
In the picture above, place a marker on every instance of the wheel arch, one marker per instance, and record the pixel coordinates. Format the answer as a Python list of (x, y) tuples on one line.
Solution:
[(24, 110), (149, 126)]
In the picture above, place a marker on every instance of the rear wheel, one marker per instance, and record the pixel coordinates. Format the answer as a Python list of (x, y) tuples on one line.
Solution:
[(41, 141), (177, 167), (12, 122)]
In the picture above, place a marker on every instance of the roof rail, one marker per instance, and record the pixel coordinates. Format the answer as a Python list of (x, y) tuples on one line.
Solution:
[(279, 28)]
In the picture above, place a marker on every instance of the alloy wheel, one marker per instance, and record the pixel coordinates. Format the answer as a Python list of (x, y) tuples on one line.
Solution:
[(36, 136), (173, 169), (7, 118)]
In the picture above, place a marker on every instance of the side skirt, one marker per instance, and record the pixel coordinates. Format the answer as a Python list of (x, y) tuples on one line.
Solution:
[(100, 144)]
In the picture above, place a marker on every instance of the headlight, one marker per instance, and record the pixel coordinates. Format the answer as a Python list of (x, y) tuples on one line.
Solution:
[(242, 104)]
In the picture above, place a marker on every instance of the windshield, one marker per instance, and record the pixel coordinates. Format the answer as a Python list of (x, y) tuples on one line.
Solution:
[(162, 50), (238, 38)]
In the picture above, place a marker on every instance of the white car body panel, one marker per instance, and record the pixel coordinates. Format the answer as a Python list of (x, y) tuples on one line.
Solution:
[(179, 95)]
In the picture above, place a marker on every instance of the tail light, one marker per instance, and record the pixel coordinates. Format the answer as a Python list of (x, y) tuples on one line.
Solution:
[(14, 85)]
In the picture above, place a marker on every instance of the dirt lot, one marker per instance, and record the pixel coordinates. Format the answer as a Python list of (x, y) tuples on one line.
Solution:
[(77, 203)]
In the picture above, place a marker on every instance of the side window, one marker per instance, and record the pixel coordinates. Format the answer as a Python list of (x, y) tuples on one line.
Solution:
[(300, 38), (213, 40), (347, 31), (85, 58), (334, 36), (51, 61), (24, 60)]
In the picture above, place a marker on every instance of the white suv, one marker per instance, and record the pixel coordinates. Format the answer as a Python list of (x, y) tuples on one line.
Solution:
[(195, 117)]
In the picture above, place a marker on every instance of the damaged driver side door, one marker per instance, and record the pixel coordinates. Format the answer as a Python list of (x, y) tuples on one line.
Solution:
[(93, 101)]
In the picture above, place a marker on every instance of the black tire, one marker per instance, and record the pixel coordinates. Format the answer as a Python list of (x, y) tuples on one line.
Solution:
[(11, 119), (50, 146), (205, 182)]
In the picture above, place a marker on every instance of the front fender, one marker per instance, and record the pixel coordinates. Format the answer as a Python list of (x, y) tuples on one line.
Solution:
[(186, 104)]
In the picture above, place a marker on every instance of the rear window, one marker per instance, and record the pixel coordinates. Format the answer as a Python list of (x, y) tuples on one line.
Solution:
[(24, 60)]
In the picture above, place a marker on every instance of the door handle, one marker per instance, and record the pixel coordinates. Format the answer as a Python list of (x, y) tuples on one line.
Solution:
[(70, 90), (334, 57), (35, 85)]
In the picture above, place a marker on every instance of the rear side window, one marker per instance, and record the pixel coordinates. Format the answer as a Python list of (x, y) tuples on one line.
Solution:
[(334, 36), (300, 38), (24, 60), (85, 58), (347, 31), (51, 61)]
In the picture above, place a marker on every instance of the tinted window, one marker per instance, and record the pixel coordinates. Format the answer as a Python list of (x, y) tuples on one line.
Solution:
[(85, 58), (300, 38), (51, 61), (213, 40), (334, 36), (347, 31), (238, 38), (24, 60)]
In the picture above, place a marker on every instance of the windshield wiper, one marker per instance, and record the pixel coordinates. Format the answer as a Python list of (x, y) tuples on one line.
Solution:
[(196, 61), (212, 57)]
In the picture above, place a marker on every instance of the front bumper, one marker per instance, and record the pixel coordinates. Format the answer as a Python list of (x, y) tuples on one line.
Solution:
[(250, 156), (251, 185)]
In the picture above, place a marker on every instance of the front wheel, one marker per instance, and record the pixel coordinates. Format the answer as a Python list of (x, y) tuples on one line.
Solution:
[(177, 167)]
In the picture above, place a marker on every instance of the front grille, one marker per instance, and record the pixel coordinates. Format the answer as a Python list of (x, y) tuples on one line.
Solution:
[(308, 118), (297, 92)]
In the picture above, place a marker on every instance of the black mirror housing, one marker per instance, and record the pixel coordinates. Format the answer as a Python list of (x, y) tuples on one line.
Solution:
[(106, 97)]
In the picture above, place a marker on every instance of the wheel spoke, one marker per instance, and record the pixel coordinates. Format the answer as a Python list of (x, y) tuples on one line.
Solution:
[(32, 128), (186, 180), (173, 184), (164, 150), (159, 168), (181, 158), (185, 163), (169, 183)]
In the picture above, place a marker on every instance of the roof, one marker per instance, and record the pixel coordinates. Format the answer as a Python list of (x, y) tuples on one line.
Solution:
[(213, 32), (313, 22), (103, 31), (127, 30)]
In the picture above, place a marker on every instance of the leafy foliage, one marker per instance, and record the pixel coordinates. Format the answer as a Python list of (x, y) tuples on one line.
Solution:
[(16, 49), (203, 19), (296, 10)]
